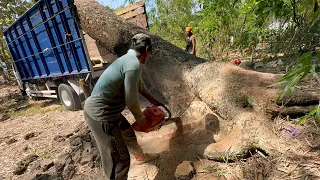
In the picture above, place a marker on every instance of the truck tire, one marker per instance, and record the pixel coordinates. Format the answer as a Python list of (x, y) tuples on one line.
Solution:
[(68, 97)]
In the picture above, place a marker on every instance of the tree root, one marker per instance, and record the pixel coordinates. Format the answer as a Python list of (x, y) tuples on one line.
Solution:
[(292, 111), (301, 98)]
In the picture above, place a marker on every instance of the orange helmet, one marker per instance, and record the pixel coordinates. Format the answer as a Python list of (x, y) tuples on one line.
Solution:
[(188, 29)]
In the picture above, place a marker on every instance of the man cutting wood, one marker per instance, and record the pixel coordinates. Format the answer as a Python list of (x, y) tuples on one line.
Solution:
[(119, 86)]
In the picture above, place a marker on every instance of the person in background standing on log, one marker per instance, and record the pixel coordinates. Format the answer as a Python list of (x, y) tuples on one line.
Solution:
[(119, 86), (191, 41)]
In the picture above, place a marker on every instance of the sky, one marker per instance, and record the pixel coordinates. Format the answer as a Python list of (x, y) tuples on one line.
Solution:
[(111, 3), (117, 3)]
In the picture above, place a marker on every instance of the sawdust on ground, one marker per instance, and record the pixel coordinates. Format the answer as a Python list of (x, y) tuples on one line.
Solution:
[(49, 119)]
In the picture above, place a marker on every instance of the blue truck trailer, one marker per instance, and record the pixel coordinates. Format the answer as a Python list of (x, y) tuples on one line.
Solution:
[(49, 53)]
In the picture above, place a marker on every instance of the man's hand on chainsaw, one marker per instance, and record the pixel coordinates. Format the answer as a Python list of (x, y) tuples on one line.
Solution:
[(152, 119), (142, 125)]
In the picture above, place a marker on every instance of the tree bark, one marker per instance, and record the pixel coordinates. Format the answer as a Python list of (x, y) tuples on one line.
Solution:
[(178, 79), (316, 6), (294, 9)]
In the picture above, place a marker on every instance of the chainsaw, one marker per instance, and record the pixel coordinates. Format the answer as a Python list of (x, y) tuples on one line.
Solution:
[(155, 117)]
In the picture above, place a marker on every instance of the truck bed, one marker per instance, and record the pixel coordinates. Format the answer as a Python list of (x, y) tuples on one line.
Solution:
[(46, 41)]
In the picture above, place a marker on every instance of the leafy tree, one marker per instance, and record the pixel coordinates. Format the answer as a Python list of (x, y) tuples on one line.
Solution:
[(288, 26), (109, 8), (305, 38), (9, 11), (170, 18)]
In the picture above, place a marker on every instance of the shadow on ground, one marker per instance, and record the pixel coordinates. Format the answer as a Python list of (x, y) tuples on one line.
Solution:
[(187, 146)]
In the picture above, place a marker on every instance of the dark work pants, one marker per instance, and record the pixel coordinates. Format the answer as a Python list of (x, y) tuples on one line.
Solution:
[(113, 150)]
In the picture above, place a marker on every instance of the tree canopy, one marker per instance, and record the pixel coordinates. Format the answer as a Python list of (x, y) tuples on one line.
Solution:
[(9, 12), (223, 25)]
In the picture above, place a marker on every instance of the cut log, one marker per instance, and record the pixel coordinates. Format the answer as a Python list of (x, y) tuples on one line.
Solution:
[(176, 78)]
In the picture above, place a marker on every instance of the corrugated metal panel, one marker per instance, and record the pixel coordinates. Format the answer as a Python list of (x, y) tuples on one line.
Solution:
[(46, 41)]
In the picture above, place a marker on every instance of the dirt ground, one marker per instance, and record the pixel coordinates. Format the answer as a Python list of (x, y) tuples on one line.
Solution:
[(45, 129)]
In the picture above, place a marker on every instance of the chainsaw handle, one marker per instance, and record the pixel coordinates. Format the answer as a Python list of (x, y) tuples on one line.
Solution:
[(168, 111)]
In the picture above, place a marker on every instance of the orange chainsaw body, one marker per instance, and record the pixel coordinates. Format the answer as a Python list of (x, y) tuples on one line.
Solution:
[(155, 117), (236, 61), (154, 114)]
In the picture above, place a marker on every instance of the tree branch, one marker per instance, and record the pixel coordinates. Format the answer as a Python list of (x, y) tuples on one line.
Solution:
[(294, 6), (316, 6)]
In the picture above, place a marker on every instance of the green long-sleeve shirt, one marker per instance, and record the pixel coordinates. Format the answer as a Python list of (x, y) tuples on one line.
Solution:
[(118, 86)]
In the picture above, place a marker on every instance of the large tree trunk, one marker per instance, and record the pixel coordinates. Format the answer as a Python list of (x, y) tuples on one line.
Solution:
[(240, 97)]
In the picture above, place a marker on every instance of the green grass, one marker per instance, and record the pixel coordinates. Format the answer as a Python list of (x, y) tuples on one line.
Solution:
[(31, 109), (43, 153)]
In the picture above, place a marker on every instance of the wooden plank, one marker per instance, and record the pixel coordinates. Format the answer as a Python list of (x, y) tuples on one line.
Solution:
[(140, 20), (133, 13), (129, 8)]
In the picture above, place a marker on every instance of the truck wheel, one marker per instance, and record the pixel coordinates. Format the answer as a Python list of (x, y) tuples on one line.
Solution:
[(68, 97)]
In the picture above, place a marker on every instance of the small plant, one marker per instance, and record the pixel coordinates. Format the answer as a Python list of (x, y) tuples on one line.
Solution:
[(307, 64)]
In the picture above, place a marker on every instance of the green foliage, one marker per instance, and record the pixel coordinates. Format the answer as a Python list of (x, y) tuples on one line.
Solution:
[(302, 68), (286, 26), (10, 10), (306, 64), (300, 30), (217, 26), (109, 8), (169, 19), (315, 112), (129, 1)]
